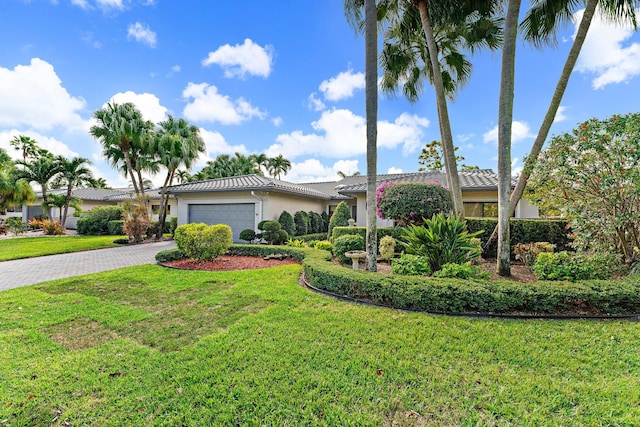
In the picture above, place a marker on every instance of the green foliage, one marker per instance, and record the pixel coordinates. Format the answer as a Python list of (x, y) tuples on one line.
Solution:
[(248, 235), (261, 224), (442, 240), (115, 227), (412, 203), (314, 236), (592, 176), (286, 222), (324, 245), (296, 243), (431, 158), (15, 226), (271, 231), (96, 221), (315, 222), (302, 223), (170, 255), (395, 232), (173, 224), (344, 244), (52, 228), (340, 218), (136, 218), (528, 252), (325, 222), (263, 250), (577, 266), (523, 230), (203, 242), (153, 227), (410, 265), (387, 247), (462, 271), (283, 236)]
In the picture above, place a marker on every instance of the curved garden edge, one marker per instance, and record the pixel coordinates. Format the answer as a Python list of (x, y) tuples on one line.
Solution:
[(589, 299)]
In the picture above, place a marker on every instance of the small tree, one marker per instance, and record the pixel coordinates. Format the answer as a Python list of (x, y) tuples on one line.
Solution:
[(411, 203), (287, 223), (136, 218), (325, 222), (301, 220), (340, 218), (270, 231)]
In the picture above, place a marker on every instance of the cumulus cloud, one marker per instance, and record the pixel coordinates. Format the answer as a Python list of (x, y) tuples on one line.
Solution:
[(520, 131), (341, 133), (394, 170), (207, 105), (48, 143), (277, 121), (312, 170), (560, 114), (342, 86), (240, 60), (142, 34), (215, 145), (315, 104), (33, 96), (607, 52), (147, 103)]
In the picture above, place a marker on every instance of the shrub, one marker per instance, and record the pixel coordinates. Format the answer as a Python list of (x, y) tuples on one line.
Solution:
[(96, 221), (248, 235), (173, 224), (203, 242), (325, 221), (412, 203), (345, 244), (115, 227), (286, 222), (283, 236), (315, 236), (270, 231), (152, 229), (395, 232), (528, 252), (16, 226), (577, 266), (462, 271), (136, 218), (340, 218), (296, 243), (387, 247), (410, 265), (324, 245), (442, 240), (52, 228), (315, 222), (302, 222), (170, 255)]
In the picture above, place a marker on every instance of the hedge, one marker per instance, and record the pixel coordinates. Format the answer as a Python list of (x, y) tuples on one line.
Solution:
[(395, 232)]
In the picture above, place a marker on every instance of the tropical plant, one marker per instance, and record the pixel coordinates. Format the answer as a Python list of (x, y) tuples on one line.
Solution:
[(40, 170), (441, 240), (27, 146), (98, 183), (278, 165), (72, 173), (136, 218), (14, 191)]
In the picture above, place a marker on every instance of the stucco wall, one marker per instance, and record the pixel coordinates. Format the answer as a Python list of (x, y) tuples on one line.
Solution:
[(184, 200), (276, 203)]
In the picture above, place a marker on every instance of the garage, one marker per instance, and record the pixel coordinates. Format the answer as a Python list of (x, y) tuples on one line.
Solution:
[(238, 216)]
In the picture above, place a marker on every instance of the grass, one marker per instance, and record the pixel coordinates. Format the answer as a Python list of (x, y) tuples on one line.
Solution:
[(151, 346), (29, 247)]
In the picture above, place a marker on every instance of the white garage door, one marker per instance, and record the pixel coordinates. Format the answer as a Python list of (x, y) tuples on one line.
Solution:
[(238, 216)]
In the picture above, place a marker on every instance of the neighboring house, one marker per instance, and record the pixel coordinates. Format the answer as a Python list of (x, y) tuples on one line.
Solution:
[(243, 201), (92, 197)]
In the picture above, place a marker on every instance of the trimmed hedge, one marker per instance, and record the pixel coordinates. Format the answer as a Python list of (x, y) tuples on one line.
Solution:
[(115, 227), (314, 236), (96, 221), (457, 295), (395, 232)]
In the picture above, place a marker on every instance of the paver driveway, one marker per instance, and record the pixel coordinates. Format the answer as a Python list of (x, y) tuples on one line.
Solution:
[(24, 272)]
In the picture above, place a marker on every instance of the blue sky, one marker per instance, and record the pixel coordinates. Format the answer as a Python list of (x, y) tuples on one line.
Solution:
[(275, 77)]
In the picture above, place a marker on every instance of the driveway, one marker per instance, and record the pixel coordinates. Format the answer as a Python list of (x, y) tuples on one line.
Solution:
[(25, 272)]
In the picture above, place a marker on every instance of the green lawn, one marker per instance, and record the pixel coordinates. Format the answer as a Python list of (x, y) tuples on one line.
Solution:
[(151, 346), (29, 247)]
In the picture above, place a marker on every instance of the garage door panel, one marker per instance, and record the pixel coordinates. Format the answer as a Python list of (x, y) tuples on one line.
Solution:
[(236, 215)]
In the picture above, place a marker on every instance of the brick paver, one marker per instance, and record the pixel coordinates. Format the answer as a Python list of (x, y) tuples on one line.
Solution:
[(24, 272)]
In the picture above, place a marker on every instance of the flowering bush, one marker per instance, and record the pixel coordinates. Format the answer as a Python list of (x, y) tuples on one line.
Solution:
[(411, 203)]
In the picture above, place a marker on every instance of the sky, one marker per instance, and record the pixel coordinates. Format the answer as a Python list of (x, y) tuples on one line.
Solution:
[(275, 77)]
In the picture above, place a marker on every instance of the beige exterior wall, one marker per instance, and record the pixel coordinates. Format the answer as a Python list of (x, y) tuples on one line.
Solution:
[(276, 203), (186, 199)]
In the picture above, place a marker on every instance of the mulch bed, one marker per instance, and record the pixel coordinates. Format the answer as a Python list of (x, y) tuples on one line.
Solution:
[(229, 262)]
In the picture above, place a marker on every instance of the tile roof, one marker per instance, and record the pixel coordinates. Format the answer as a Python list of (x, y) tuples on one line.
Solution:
[(247, 183), (103, 194)]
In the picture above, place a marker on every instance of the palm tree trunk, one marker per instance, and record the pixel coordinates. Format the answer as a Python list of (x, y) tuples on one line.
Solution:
[(505, 120), (66, 206), (371, 91), (543, 132), (127, 161), (164, 201), (448, 149)]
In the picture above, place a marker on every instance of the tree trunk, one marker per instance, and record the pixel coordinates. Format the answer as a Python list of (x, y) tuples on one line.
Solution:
[(127, 161), (505, 120), (164, 201), (448, 149), (66, 206), (371, 91), (543, 132)]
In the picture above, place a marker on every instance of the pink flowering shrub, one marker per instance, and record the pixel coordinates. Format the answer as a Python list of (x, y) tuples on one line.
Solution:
[(411, 203)]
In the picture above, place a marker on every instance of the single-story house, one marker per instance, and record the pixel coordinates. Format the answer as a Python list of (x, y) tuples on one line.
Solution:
[(243, 201)]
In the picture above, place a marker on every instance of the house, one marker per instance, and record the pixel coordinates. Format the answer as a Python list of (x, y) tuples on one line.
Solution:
[(243, 201)]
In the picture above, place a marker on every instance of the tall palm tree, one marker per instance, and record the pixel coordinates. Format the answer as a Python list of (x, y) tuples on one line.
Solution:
[(26, 145), (40, 170), (72, 173), (98, 183), (183, 176), (261, 161), (177, 144), (121, 131), (14, 191), (278, 165)]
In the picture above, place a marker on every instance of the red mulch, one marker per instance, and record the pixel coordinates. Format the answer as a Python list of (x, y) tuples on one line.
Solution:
[(229, 262)]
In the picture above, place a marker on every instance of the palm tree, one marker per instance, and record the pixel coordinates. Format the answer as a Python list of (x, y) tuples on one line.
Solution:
[(98, 183), (14, 191), (183, 176), (278, 165), (343, 175), (40, 170), (122, 131), (261, 161), (177, 144), (72, 173), (25, 144)]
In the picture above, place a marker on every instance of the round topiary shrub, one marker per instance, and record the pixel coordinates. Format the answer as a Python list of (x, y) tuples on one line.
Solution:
[(412, 203), (270, 230), (203, 242), (346, 243), (248, 235), (340, 218), (286, 222)]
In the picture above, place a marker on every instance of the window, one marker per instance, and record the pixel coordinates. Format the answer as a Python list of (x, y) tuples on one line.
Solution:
[(480, 209), (155, 209), (16, 209)]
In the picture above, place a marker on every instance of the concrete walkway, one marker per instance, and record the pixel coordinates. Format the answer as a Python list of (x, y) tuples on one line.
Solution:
[(25, 272)]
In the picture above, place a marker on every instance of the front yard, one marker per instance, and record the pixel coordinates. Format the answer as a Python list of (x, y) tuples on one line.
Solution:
[(152, 346), (29, 247)]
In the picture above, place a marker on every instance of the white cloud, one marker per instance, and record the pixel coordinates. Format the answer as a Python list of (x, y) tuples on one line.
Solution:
[(560, 114), (465, 137), (216, 144), (315, 104), (277, 121), (519, 132), (142, 33), (607, 52), (342, 86), (176, 68), (46, 142), (208, 105), (312, 170), (394, 170), (341, 133), (516, 169), (33, 96), (110, 4), (147, 103), (239, 60), (84, 4)]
